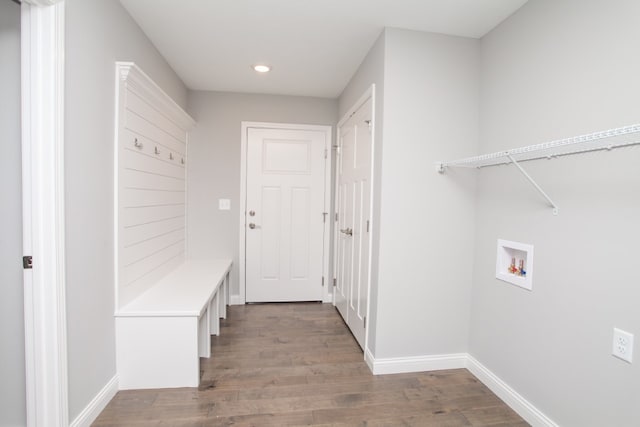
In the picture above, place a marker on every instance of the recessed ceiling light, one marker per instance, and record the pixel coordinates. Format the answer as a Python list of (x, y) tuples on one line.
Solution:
[(261, 68)]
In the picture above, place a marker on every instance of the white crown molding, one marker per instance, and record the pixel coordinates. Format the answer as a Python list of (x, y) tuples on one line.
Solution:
[(139, 82)]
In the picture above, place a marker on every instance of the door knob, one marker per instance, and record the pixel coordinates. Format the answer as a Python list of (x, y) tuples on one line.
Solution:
[(347, 231), (252, 213), (252, 225)]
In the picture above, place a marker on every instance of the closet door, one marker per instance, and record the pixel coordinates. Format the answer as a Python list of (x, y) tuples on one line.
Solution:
[(353, 206)]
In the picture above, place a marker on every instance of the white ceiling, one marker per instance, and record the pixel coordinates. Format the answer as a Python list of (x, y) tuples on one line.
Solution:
[(314, 46)]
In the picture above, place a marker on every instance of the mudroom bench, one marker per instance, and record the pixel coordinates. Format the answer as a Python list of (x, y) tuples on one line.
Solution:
[(161, 334)]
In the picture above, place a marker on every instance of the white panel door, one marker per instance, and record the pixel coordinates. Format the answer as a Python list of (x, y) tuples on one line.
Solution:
[(353, 207), (284, 219)]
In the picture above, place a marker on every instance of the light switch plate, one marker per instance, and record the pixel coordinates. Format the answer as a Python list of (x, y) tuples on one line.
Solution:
[(224, 204)]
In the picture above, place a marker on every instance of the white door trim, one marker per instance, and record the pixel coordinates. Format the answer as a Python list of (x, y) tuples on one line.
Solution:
[(369, 93), (327, 295), (43, 212)]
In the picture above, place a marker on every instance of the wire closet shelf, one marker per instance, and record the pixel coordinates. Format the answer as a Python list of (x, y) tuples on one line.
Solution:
[(605, 140)]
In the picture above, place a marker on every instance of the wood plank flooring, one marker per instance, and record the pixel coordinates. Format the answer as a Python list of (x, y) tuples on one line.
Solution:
[(297, 364)]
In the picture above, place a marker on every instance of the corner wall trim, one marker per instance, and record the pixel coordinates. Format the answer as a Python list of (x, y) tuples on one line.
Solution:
[(236, 300), (398, 365), (512, 398), (369, 359), (97, 405)]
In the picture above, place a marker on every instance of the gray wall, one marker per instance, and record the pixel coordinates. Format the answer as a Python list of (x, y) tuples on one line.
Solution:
[(98, 33), (371, 71), (557, 69), (427, 94), (214, 161), (12, 386), (431, 95)]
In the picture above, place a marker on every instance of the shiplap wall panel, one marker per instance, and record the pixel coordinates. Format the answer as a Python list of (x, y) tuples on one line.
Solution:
[(147, 145), (157, 136), (137, 197), (138, 251), (159, 164), (133, 273), (152, 135), (140, 233), (150, 181), (132, 216), (141, 108)]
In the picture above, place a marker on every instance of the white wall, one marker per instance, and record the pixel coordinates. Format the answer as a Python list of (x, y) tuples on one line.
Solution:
[(426, 226), (370, 71), (557, 69), (12, 385), (98, 33), (214, 161)]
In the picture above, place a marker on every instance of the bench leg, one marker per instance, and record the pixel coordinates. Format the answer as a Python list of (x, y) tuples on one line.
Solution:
[(224, 300), (214, 317)]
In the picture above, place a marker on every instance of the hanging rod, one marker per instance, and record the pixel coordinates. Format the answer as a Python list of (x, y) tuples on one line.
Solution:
[(605, 140)]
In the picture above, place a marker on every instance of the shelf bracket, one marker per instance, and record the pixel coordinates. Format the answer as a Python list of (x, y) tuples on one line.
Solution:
[(535, 184)]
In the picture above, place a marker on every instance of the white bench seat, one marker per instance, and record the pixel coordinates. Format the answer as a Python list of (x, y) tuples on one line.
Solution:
[(161, 335)]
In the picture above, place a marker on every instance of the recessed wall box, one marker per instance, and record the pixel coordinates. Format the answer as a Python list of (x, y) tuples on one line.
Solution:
[(514, 263)]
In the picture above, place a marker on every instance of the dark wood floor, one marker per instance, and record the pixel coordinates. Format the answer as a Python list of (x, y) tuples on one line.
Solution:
[(297, 364)]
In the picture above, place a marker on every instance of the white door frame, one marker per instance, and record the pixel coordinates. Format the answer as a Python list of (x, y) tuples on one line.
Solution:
[(328, 290), (42, 54), (369, 93)]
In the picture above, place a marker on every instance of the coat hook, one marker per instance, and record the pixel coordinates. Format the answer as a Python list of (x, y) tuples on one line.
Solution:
[(182, 160), (157, 151), (136, 143), (170, 156)]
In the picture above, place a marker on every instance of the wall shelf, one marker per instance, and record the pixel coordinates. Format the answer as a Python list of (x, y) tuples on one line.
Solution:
[(605, 140)]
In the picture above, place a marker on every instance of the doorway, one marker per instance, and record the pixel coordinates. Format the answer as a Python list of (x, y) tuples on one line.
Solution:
[(284, 223)]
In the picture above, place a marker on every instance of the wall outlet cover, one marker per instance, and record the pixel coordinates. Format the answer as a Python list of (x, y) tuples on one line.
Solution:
[(622, 345), (224, 204)]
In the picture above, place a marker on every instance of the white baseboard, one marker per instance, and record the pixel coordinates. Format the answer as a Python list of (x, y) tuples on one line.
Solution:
[(97, 405), (512, 398), (369, 359), (398, 365), (236, 300)]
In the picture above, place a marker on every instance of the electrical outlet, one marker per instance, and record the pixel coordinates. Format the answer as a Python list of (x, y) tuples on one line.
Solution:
[(622, 345)]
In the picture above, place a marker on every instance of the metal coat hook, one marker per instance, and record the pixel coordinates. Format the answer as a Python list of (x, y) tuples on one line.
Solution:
[(157, 151), (182, 160), (137, 143), (170, 156)]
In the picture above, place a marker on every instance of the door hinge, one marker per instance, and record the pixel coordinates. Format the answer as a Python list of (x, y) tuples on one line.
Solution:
[(335, 282), (367, 226), (323, 281), (365, 322), (324, 216), (336, 216), (326, 153), (27, 262)]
